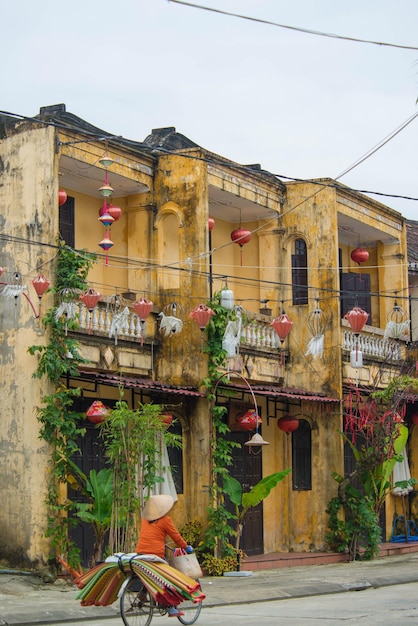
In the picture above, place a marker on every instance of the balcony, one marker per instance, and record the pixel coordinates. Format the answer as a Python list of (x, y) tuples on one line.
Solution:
[(372, 344)]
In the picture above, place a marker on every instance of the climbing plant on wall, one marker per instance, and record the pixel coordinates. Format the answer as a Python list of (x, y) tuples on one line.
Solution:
[(219, 530), (59, 423)]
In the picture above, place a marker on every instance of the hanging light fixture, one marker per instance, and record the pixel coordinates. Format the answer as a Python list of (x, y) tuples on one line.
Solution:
[(397, 323), (241, 236), (142, 308), (201, 315), (316, 323), (211, 224), (249, 420), (288, 424), (40, 285), (97, 412), (359, 255), (106, 160), (62, 197), (90, 299), (357, 318), (282, 326)]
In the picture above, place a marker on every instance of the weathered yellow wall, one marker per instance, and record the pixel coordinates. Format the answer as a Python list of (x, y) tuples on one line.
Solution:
[(32, 191)]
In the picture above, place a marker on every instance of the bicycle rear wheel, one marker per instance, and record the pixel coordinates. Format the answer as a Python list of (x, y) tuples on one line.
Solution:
[(191, 611), (136, 604)]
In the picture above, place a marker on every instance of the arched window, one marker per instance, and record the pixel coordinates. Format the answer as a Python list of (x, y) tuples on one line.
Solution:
[(300, 273), (302, 457)]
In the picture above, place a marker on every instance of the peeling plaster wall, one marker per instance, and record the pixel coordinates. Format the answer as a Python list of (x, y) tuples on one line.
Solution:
[(27, 187)]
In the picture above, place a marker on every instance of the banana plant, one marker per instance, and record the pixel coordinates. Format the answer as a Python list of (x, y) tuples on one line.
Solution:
[(97, 511), (244, 501)]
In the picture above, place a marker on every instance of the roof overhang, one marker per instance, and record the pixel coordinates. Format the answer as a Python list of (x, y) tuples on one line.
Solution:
[(135, 382)]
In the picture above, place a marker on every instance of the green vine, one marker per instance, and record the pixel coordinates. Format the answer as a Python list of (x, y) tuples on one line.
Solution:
[(59, 424), (219, 530)]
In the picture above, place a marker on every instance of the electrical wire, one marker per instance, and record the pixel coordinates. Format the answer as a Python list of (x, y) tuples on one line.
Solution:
[(294, 28)]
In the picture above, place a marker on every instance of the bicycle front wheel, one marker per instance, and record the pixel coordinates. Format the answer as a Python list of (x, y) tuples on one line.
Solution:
[(136, 604), (191, 611)]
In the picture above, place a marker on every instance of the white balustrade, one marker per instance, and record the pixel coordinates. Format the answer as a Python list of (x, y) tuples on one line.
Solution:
[(372, 346), (99, 322)]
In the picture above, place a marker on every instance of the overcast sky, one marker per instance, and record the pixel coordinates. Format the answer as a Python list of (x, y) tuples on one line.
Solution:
[(301, 105)]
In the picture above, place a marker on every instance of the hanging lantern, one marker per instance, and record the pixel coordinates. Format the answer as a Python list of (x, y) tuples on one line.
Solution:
[(397, 323), (241, 236), (211, 223), (256, 440), (167, 419), (143, 308), (359, 255), (288, 423), (90, 298), (249, 421), (282, 326), (317, 322), (40, 285), (97, 412), (1, 270), (414, 418), (114, 211), (106, 219), (201, 315), (106, 160), (227, 299), (62, 197), (357, 318)]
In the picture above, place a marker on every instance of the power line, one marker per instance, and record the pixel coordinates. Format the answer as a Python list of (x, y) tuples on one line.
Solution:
[(294, 28)]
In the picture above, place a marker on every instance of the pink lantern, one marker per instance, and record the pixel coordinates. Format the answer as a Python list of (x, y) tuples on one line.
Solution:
[(211, 223), (143, 308), (91, 298), (249, 421), (1, 270), (288, 423), (282, 326), (359, 255), (357, 318), (62, 197), (201, 315), (40, 285), (97, 412)]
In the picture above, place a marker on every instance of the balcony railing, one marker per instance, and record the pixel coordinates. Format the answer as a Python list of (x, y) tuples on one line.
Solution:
[(101, 321), (372, 345), (256, 334)]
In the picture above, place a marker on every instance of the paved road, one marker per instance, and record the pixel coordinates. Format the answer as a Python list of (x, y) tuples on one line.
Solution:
[(397, 604)]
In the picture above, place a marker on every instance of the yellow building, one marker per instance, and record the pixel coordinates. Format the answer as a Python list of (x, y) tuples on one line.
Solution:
[(177, 243)]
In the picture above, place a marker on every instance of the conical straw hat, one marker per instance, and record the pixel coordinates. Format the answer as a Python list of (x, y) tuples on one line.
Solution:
[(157, 506)]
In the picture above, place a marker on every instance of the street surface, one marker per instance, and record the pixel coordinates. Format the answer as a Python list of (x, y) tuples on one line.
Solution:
[(385, 606)]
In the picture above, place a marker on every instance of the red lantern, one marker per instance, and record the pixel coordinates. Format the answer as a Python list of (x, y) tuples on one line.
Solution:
[(97, 412), (359, 255), (62, 197), (167, 419), (356, 318), (414, 417), (282, 326), (211, 223), (40, 285), (201, 315), (288, 423), (91, 298), (249, 421), (241, 236)]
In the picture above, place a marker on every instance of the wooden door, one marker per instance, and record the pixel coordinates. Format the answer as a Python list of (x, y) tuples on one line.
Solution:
[(247, 469)]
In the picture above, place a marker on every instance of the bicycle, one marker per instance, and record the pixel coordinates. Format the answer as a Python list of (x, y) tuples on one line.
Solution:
[(137, 606)]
